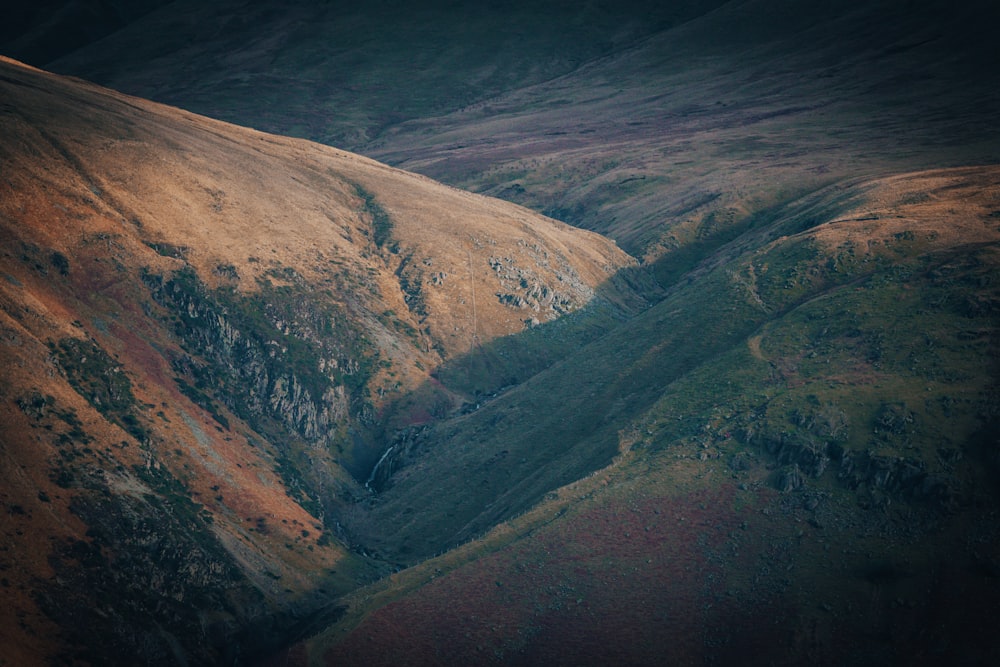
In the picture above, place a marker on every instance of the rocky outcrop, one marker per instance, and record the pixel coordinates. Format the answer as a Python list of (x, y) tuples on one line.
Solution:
[(270, 367), (897, 475), (521, 288), (790, 478), (289, 366), (801, 457), (404, 445), (809, 454)]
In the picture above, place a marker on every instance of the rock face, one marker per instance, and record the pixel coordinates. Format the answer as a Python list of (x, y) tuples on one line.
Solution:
[(207, 337)]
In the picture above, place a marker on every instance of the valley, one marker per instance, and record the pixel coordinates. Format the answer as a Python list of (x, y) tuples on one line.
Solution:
[(669, 335)]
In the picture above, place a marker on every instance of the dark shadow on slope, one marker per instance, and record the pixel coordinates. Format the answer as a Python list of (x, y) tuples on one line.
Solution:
[(571, 413), (342, 73), (42, 31), (548, 406), (509, 361)]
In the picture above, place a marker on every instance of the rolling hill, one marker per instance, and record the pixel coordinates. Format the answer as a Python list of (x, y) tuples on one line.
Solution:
[(660, 125), (269, 402)]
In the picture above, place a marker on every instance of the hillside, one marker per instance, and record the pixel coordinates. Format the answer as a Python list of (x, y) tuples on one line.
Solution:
[(671, 142), (799, 461), (208, 334), (661, 125), (342, 73), (265, 401)]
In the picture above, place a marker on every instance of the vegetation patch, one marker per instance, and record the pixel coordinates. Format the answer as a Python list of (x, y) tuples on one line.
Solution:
[(169, 249), (380, 220), (101, 381), (148, 583)]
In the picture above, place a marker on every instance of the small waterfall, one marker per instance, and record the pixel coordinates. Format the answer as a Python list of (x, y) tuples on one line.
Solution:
[(371, 477)]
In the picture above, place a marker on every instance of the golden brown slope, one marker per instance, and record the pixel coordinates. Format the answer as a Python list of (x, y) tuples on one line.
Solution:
[(200, 327), (232, 194)]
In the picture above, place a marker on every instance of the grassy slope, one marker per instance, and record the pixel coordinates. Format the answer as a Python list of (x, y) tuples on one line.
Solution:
[(657, 132), (775, 365), (341, 73), (670, 142), (568, 420), (682, 567), (909, 338)]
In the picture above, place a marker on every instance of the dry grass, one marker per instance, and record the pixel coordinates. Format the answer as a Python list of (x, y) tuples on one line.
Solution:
[(94, 182), (937, 209)]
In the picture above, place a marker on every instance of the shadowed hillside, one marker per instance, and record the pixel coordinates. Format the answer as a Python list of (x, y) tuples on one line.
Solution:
[(801, 463), (342, 73), (661, 125), (666, 145)]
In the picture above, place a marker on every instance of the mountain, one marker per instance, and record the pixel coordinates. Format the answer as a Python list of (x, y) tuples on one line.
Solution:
[(270, 402), (676, 139), (42, 31), (342, 73), (660, 125), (208, 333)]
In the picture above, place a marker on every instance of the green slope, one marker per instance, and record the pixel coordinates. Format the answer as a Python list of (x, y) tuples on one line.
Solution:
[(866, 355), (792, 457), (811, 399)]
